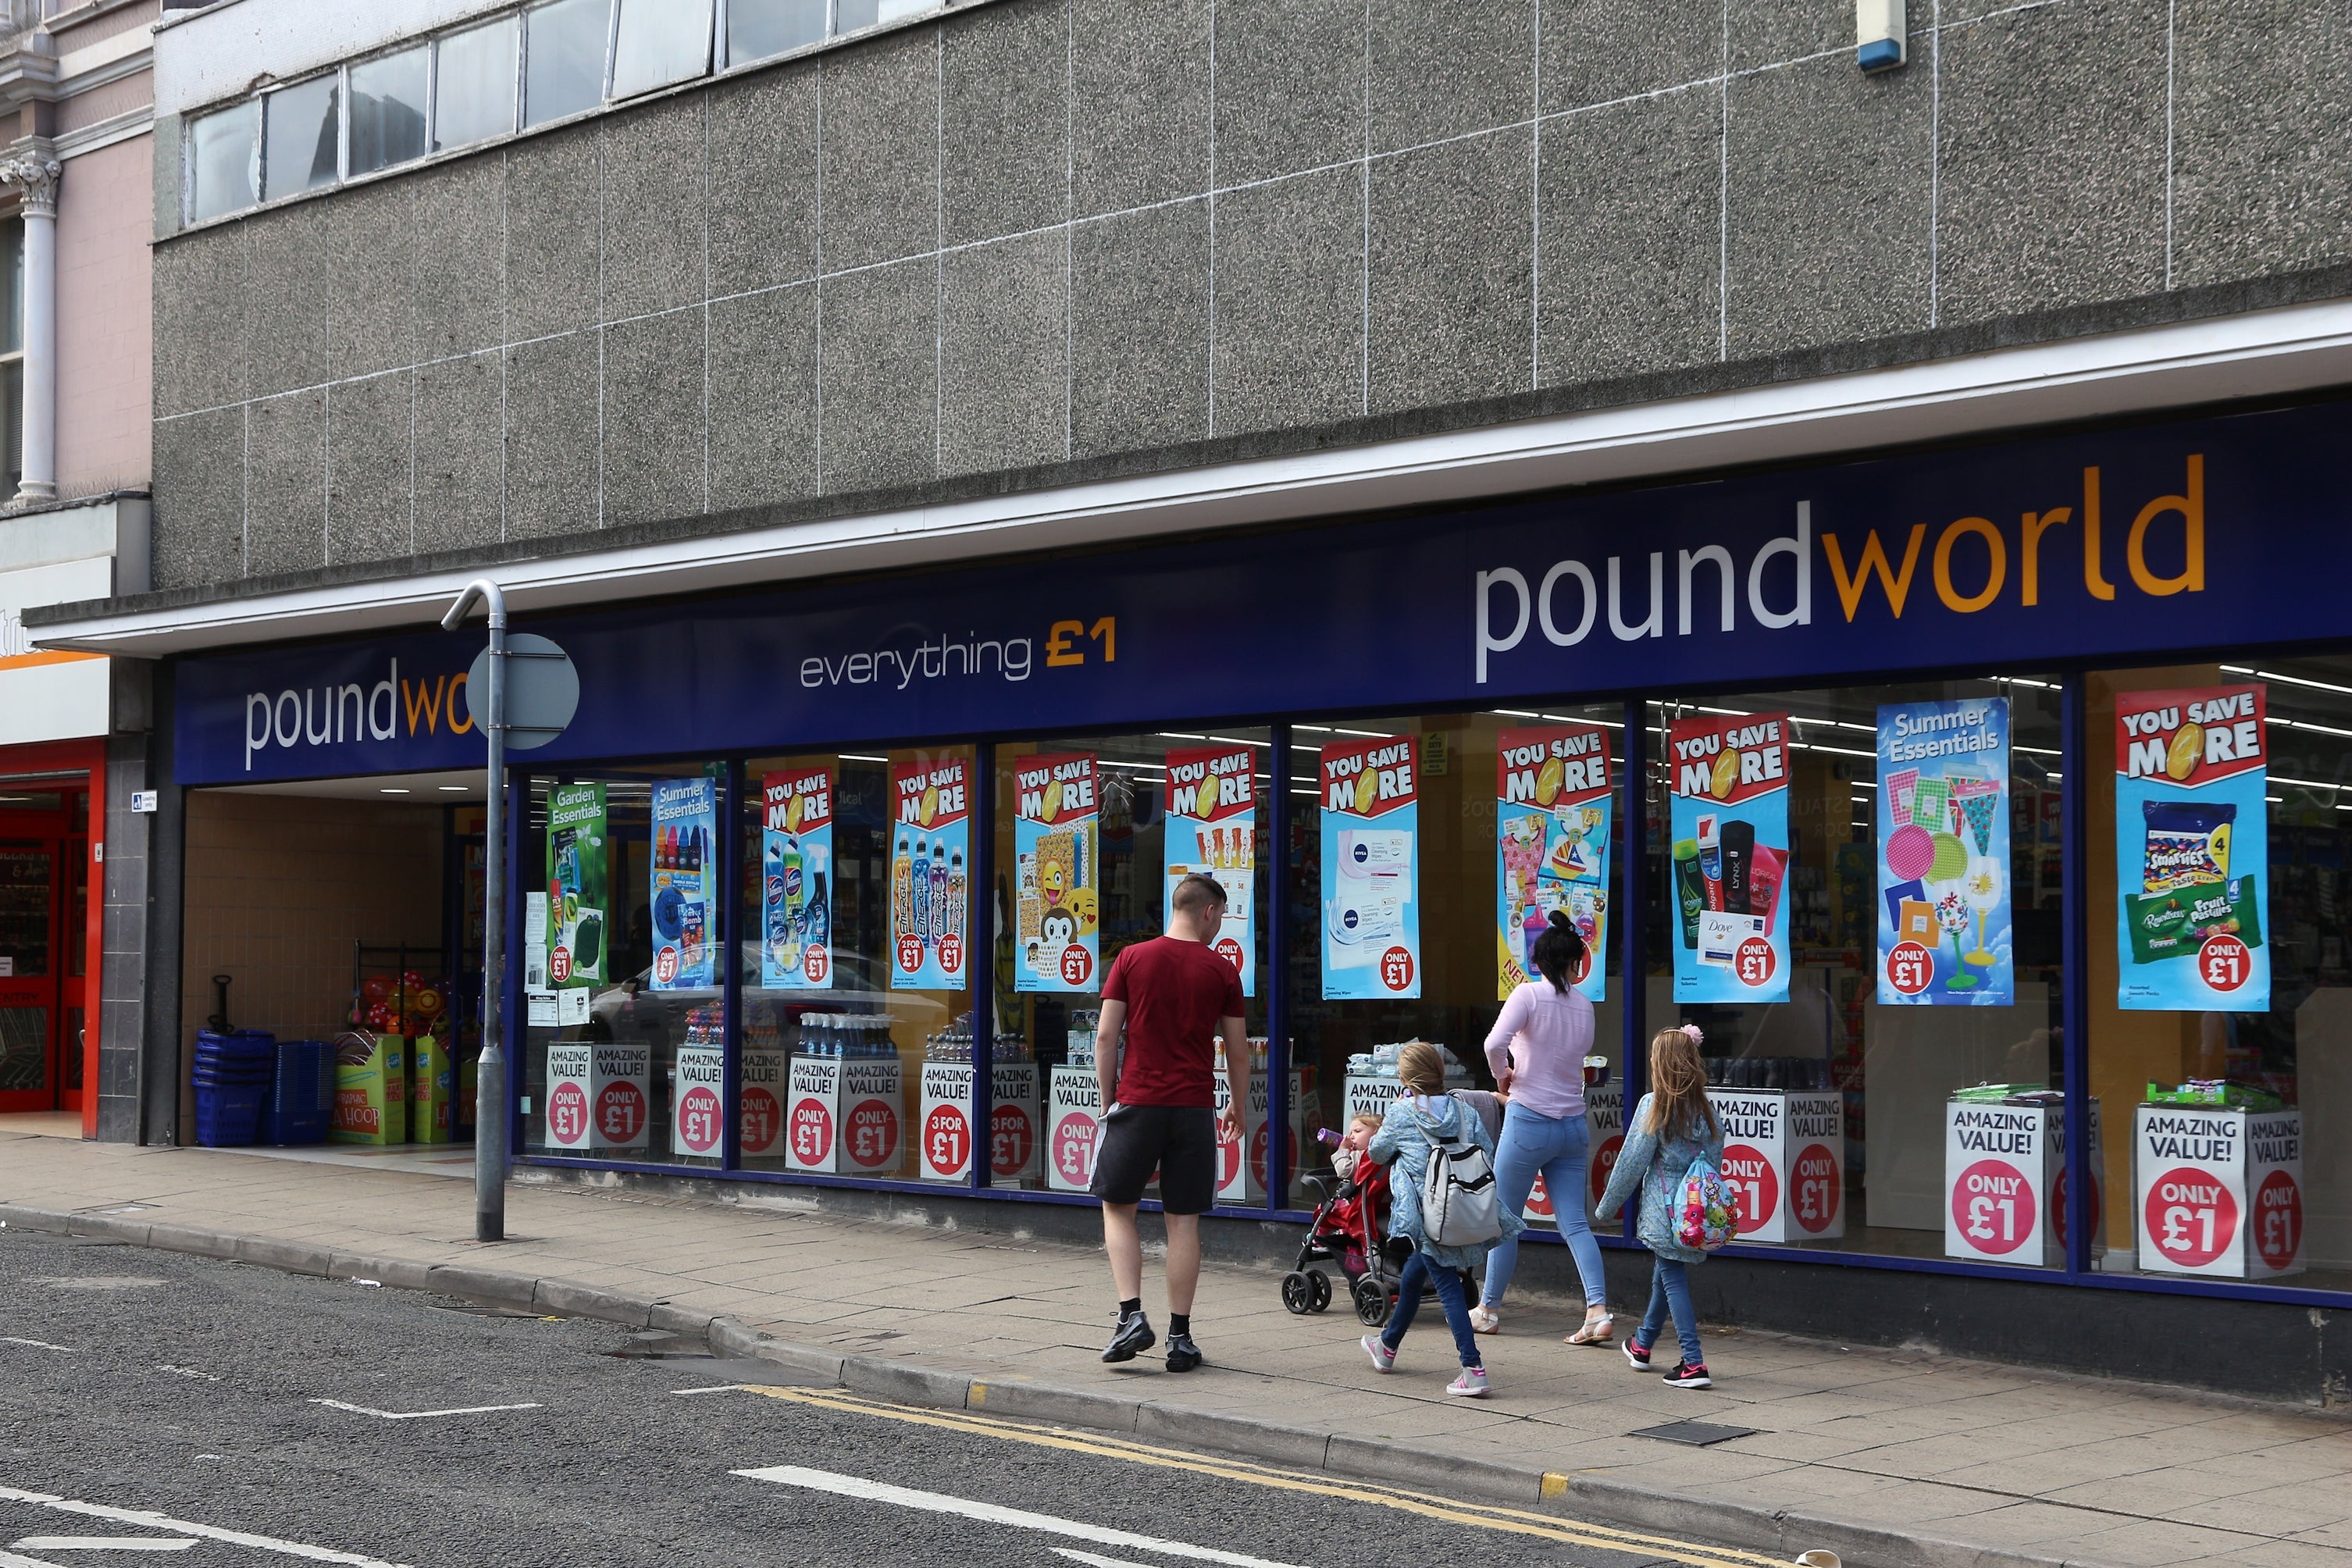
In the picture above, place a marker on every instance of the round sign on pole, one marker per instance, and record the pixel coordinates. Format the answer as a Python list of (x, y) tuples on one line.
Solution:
[(542, 690)]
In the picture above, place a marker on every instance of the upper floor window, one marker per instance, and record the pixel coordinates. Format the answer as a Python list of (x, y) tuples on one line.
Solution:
[(658, 42), (388, 104), (224, 161), (758, 28), (563, 58), (301, 130), (474, 91)]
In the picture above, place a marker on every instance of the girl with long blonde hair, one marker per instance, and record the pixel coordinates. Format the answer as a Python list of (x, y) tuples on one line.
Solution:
[(1673, 1128)]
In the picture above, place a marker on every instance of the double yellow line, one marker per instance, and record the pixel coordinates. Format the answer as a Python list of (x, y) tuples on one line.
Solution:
[(1479, 1516)]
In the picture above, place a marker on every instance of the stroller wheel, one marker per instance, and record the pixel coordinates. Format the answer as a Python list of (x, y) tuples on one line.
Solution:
[(1320, 1284), (1371, 1301), (1297, 1294)]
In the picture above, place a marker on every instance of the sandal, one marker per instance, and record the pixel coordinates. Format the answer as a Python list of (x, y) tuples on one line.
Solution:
[(1597, 1330), (1484, 1321)]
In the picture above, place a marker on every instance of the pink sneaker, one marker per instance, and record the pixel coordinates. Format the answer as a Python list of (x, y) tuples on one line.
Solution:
[(1471, 1385), (1383, 1358)]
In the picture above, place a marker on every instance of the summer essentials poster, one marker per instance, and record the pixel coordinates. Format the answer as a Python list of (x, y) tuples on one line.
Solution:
[(2193, 847), (1211, 830), (931, 875), (1730, 856), (796, 895), (1057, 902), (1371, 873), (577, 936), (685, 872), (1552, 823), (1943, 854)]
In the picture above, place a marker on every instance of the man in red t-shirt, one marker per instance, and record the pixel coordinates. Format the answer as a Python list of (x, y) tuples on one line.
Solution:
[(1174, 996)]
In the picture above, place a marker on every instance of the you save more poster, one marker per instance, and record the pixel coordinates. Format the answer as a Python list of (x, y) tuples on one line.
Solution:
[(1058, 945), (1730, 856), (2192, 850), (1371, 870), (1552, 826), (931, 875), (796, 899), (1212, 831)]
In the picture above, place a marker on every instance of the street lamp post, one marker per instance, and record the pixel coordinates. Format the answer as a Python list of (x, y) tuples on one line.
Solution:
[(490, 1075)]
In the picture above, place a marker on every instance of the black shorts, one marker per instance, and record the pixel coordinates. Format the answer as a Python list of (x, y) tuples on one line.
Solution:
[(1178, 1141)]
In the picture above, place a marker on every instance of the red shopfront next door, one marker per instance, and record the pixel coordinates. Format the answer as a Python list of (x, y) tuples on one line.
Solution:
[(44, 948)]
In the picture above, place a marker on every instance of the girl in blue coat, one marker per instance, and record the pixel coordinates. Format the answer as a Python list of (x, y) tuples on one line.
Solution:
[(1673, 1127)]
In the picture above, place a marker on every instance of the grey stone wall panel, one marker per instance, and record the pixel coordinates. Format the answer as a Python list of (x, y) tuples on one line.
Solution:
[(1140, 330), (653, 177), (1630, 258), (764, 400), (880, 369), (654, 452), (459, 453), (371, 280), (1290, 87), (1005, 116), (1453, 271), (1005, 355), (286, 501), (199, 320), (461, 260), (368, 489), (2053, 154), (200, 498), (763, 185), (286, 303), (551, 437), (1773, 31), (881, 150), (1139, 103), (1290, 302), (1448, 70), (1597, 51), (552, 229)]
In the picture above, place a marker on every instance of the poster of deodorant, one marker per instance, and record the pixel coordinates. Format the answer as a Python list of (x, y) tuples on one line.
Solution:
[(931, 875), (1212, 831), (2192, 849), (1944, 937), (795, 881), (1058, 943), (1551, 825), (1730, 856), (577, 911), (684, 868), (1371, 869)]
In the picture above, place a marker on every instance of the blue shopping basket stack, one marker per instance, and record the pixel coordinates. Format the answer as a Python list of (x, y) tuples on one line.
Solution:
[(232, 1073), (301, 1097)]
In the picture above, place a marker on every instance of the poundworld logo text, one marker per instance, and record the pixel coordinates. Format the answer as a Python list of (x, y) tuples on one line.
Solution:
[(336, 715)]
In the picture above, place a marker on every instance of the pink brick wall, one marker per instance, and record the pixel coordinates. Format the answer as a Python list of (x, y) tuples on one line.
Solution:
[(104, 408)]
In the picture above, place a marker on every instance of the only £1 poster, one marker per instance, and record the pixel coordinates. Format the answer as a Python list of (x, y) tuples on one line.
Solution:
[(2192, 849), (578, 915), (931, 875), (684, 873), (1551, 824), (1057, 944), (1730, 856), (1371, 871), (1212, 831), (796, 895), (1944, 936)]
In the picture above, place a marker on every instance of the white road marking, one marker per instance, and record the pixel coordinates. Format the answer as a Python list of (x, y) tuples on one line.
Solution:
[(106, 1542), (420, 1415), (714, 1388), (992, 1513), (188, 1371), (147, 1519), (10, 1560), (37, 1344), (1074, 1555)]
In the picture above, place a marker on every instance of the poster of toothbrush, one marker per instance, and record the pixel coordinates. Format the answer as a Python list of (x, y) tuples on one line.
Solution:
[(795, 889), (1944, 935), (931, 875), (576, 905), (2192, 849), (1212, 830), (1731, 857), (1551, 825), (1372, 872), (1058, 862), (684, 866)]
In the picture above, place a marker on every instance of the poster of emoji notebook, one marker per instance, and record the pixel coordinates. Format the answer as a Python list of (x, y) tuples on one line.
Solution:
[(1057, 944), (1552, 826), (1730, 856), (2193, 847)]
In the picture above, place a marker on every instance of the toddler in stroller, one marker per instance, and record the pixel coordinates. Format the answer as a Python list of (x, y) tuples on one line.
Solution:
[(1350, 1216)]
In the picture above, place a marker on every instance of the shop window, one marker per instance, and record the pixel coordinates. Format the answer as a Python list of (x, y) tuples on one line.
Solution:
[(388, 110), (658, 42), (563, 58), (474, 90), (855, 14), (303, 136), (2219, 994), (758, 28), (224, 161), (1856, 894), (1091, 836)]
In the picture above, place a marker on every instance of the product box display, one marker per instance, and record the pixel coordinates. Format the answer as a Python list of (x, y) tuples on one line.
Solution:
[(1072, 1128), (2005, 1178), (2218, 1191), (1783, 1159), (944, 1121), (432, 1089), (370, 1090), (696, 1120), (1243, 1181), (845, 1115), (761, 1111), (597, 1097)]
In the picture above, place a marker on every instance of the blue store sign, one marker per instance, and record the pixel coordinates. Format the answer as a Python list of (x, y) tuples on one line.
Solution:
[(2115, 544)]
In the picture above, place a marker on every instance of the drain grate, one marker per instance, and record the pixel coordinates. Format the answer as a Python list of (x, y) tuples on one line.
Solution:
[(1697, 1434)]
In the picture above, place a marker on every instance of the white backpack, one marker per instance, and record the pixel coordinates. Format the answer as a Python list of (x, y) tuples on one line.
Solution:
[(1459, 1206)]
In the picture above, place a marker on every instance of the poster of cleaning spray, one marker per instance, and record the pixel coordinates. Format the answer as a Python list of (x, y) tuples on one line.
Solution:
[(1943, 854), (1731, 857), (1058, 874), (1551, 825), (796, 897), (931, 875), (684, 873), (576, 933), (1372, 872), (1212, 831), (2193, 847)]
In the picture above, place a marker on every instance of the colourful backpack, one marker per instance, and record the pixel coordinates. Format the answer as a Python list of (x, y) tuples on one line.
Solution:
[(1707, 1218)]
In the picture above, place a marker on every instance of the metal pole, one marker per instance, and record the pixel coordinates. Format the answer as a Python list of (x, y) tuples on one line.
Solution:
[(490, 1075)]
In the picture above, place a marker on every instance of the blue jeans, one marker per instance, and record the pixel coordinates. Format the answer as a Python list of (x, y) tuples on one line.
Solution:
[(1419, 1271), (1670, 1287), (1561, 1148)]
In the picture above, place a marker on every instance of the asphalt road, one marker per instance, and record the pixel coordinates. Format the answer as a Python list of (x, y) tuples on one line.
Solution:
[(133, 1380)]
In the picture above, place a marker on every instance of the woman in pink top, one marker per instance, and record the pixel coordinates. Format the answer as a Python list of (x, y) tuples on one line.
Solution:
[(1537, 1049)]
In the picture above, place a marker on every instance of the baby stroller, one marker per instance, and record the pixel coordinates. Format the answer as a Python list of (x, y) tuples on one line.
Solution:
[(1346, 1230)]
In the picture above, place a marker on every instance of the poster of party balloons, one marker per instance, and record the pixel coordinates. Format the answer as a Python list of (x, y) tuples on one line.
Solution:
[(1944, 936)]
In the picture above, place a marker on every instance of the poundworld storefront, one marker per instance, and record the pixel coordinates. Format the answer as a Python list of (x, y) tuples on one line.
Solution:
[(1987, 806)]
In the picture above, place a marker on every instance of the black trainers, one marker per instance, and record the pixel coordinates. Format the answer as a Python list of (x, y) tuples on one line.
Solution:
[(1686, 1376), (1134, 1335), (1184, 1355)]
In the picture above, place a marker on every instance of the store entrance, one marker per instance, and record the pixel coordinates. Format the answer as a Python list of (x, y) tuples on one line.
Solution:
[(44, 944)]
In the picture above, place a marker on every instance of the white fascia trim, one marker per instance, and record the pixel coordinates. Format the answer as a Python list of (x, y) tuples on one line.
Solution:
[(2262, 354)]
